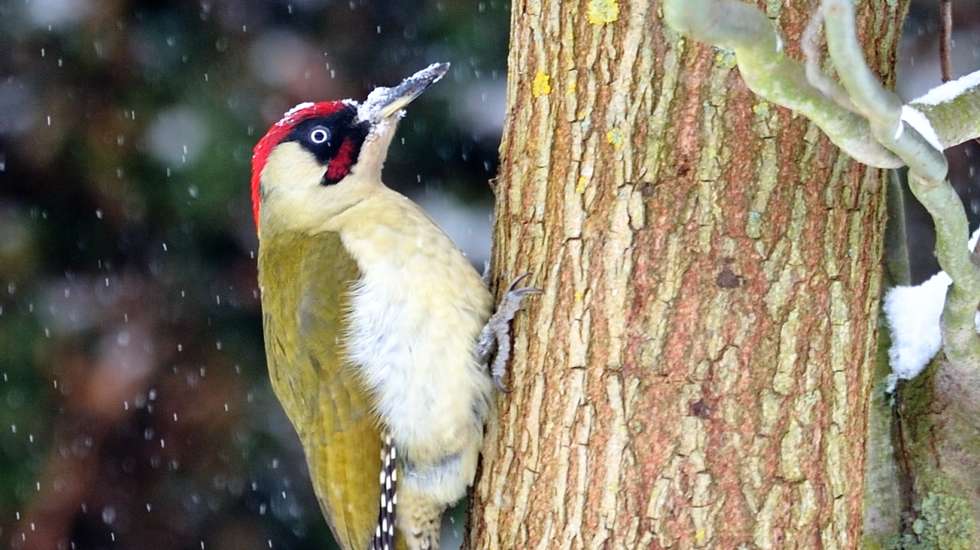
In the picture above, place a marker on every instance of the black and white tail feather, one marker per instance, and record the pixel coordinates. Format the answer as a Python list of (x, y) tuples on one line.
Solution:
[(384, 533)]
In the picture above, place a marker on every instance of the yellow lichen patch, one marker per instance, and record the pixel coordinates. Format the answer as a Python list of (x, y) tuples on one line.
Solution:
[(580, 185), (601, 12), (615, 137), (541, 85)]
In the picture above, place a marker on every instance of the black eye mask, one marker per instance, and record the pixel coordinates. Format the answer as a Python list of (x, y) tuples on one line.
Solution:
[(334, 140)]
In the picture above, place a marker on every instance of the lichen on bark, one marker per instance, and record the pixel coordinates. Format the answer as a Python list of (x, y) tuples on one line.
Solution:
[(940, 450)]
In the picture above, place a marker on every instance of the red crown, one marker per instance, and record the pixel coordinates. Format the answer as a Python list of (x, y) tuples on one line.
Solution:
[(278, 131)]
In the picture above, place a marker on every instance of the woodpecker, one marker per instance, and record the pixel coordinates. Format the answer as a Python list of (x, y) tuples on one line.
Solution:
[(377, 328)]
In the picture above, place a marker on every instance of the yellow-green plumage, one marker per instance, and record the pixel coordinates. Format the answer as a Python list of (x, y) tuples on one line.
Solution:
[(305, 281), (372, 318)]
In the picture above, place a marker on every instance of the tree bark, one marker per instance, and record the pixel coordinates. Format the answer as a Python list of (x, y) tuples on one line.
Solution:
[(937, 441), (697, 370)]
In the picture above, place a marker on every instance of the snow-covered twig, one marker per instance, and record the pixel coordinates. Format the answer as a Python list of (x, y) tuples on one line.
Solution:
[(953, 109)]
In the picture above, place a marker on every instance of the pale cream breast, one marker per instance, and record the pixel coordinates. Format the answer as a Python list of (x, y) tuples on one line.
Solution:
[(416, 314)]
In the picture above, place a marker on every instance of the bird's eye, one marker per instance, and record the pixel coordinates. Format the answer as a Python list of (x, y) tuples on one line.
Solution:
[(319, 135)]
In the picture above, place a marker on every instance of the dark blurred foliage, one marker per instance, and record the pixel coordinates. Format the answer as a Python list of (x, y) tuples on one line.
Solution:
[(135, 410)]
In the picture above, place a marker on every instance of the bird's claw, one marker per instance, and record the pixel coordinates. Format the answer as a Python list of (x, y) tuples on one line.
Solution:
[(498, 382), (495, 336)]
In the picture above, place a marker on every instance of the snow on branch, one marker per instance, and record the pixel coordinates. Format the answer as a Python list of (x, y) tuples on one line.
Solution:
[(881, 107), (953, 109), (882, 132), (914, 314), (927, 178)]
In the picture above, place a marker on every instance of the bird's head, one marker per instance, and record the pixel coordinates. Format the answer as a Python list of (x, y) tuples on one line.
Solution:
[(322, 158)]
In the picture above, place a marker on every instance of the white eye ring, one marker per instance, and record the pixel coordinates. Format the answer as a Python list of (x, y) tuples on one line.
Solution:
[(319, 135)]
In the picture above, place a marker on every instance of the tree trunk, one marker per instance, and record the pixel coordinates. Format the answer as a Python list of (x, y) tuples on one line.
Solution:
[(938, 449), (697, 370)]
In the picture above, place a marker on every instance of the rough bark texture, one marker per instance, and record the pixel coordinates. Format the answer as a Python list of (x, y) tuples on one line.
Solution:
[(885, 490), (922, 489), (937, 444), (697, 370)]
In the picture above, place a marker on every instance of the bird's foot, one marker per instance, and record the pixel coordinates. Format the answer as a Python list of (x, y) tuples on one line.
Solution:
[(495, 337), (486, 276)]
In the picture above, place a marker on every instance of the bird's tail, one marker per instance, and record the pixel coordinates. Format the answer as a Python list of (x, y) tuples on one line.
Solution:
[(384, 533), (418, 521)]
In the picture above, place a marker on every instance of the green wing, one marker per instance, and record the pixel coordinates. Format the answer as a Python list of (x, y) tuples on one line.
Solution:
[(305, 285)]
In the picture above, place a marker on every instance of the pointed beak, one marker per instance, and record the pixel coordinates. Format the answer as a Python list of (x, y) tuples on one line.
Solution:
[(385, 102)]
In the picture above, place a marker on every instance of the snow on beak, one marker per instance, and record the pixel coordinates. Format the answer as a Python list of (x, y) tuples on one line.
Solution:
[(385, 102)]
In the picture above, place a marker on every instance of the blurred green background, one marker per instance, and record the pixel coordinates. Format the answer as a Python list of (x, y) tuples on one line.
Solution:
[(135, 411)]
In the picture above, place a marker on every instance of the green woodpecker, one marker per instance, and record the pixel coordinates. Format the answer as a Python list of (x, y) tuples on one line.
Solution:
[(377, 328)]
